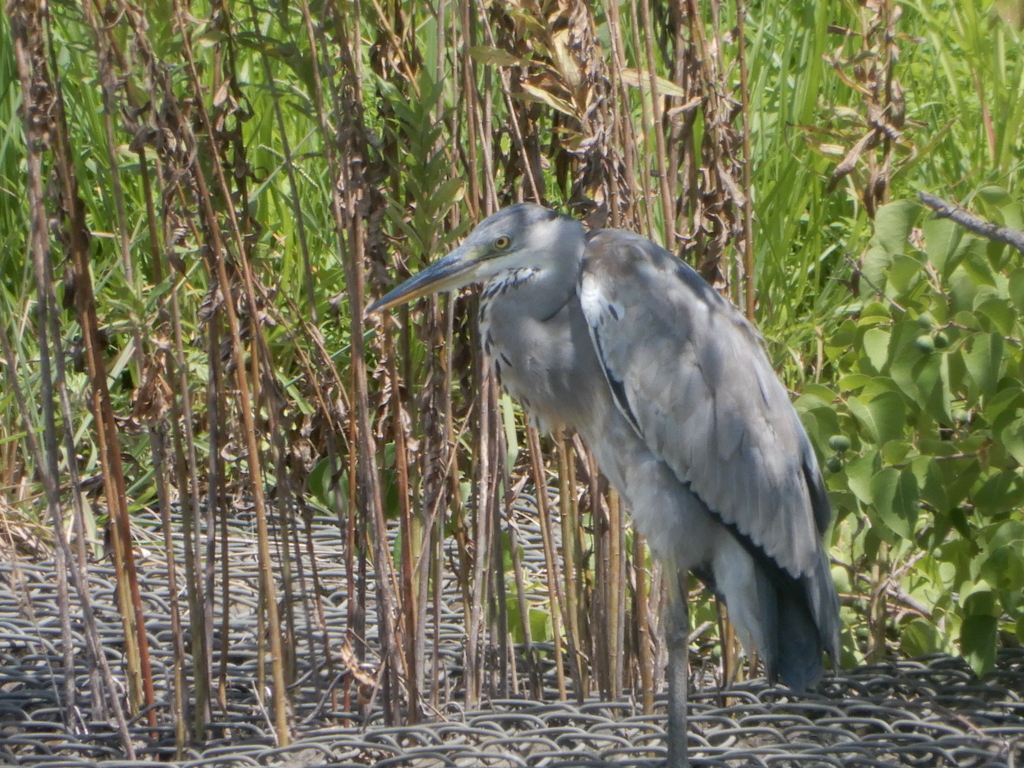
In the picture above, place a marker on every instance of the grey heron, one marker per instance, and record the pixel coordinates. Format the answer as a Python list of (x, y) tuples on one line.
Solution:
[(668, 385)]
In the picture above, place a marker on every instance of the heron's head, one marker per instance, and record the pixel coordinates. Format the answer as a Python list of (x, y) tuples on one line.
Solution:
[(521, 236)]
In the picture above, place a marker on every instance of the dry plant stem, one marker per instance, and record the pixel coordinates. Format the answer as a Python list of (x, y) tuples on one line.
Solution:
[(282, 505), (318, 603), (225, 596), (26, 30), (140, 678), (877, 612), (468, 96), (550, 559), (186, 463), (355, 551), (602, 554), (437, 527), (435, 465), (79, 565), (680, 141), (584, 635), (643, 174), (730, 659), (409, 549), (643, 635), (622, 125), (158, 443), (749, 295), (532, 672), (972, 223), (535, 190), (499, 593), (200, 709), (483, 520), (217, 393), (617, 574), (657, 105), (570, 564), (217, 407), (218, 257), (486, 121), (348, 197), (79, 576), (48, 473), (105, 56), (309, 619), (289, 164)]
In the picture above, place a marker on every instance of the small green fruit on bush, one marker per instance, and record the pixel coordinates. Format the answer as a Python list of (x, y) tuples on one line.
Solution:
[(839, 442), (925, 343)]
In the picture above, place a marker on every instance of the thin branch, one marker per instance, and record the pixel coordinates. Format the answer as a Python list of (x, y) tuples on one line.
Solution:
[(975, 224)]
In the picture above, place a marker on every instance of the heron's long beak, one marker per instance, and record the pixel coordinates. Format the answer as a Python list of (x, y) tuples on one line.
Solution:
[(453, 271)]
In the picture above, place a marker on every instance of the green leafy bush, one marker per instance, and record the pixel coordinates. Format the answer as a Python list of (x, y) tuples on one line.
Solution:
[(923, 430)]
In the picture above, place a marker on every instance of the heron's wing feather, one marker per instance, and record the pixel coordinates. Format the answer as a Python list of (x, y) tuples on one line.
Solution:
[(690, 374)]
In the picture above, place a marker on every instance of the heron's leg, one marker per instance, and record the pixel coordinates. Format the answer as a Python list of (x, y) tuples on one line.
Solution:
[(677, 630)]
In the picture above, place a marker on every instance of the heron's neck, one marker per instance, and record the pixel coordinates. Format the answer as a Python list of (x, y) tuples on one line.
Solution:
[(540, 290)]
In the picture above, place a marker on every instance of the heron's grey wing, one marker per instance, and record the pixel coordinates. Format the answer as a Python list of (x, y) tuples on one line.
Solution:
[(690, 374)]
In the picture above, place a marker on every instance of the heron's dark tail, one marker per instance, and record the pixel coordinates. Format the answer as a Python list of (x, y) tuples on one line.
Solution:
[(800, 619), (797, 618)]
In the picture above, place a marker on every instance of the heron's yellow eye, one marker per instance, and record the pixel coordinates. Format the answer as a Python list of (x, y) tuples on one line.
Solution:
[(502, 242)]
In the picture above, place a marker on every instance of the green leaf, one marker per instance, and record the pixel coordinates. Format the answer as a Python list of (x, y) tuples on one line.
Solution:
[(976, 263), (930, 483), (930, 375), (984, 358), (665, 86), (905, 275), (1013, 215), (876, 346), (919, 637), (1004, 569), (881, 416), (853, 382), (962, 289), (997, 310), (942, 238), (540, 625), (1009, 533), (508, 418), (978, 636), (824, 395), (533, 93), (1012, 439), (1001, 491), (896, 500), (1017, 288), (893, 223), (875, 267), (895, 452), (859, 473), (496, 57), (995, 196)]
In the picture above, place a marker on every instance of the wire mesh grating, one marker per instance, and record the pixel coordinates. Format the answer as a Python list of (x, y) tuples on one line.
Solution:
[(930, 712)]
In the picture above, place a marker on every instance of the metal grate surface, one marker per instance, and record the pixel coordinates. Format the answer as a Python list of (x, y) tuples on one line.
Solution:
[(913, 713)]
